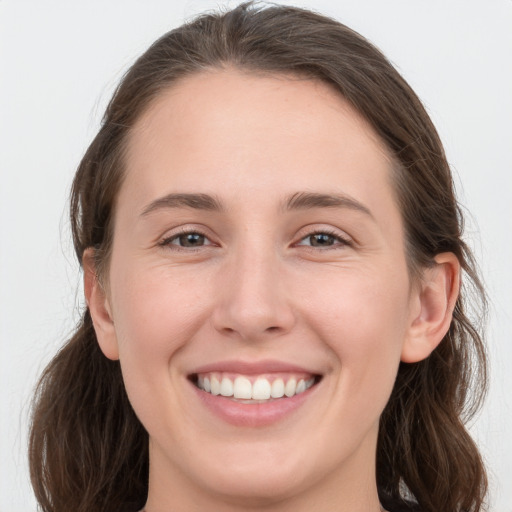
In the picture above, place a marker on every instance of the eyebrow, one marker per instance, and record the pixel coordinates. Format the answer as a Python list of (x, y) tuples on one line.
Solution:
[(310, 200), (194, 201), (297, 201)]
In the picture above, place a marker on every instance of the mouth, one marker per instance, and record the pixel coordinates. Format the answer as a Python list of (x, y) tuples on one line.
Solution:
[(255, 394), (255, 389)]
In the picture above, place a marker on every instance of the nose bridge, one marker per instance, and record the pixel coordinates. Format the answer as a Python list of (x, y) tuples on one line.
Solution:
[(253, 301)]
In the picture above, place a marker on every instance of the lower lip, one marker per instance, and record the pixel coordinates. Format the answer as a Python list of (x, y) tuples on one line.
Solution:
[(252, 415)]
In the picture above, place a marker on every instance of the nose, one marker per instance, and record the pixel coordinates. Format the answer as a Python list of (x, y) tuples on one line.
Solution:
[(252, 300)]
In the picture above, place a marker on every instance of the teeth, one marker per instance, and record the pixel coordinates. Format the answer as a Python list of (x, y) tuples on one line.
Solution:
[(277, 390), (261, 389), (242, 388), (215, 386), (291, 386), (226, 387)]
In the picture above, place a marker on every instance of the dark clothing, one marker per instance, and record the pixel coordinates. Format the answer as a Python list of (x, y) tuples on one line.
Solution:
[(399, 506)]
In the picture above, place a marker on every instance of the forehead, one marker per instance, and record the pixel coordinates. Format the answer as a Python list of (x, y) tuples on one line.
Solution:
[(224, 130)]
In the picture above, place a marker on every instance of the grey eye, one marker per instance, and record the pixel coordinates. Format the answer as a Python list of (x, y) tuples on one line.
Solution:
[(189, 240), (321, 240)]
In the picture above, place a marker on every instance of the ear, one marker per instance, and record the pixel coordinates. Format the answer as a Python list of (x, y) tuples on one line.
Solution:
[(435, 300), (99, 307)]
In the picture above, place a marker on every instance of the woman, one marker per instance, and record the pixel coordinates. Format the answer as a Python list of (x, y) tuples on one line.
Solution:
[(272, 262)]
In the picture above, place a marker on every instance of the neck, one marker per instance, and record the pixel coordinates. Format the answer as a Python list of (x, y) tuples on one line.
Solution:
[(349, 488)]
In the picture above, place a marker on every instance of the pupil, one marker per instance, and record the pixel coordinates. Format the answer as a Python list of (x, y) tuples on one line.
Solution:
[(191, 240), (321, 239)]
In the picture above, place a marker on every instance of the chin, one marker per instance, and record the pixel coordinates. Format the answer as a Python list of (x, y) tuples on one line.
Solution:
[(257, 486), (260, 473)]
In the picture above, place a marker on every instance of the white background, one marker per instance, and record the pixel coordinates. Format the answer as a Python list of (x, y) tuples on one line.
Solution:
[(59, 63)]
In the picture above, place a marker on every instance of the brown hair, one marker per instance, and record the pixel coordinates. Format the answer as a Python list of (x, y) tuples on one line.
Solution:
[(89, 452)]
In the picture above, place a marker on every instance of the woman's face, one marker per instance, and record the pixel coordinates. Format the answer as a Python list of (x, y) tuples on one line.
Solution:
[(258, 250)]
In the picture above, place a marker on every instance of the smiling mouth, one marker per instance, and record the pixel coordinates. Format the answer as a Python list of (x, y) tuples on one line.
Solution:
[(254, 389)]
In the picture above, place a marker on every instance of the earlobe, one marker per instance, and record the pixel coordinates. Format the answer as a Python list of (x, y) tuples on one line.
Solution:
[(99, 307), (436, 297)]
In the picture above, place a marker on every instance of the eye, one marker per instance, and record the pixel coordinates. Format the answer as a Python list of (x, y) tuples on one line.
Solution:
[(323, 239), (191, 239)]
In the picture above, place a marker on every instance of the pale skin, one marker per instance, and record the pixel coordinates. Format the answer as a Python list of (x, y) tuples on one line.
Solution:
[(326, 288)]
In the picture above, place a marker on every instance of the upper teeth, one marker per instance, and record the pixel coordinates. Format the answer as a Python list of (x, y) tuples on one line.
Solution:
[(260, 389)]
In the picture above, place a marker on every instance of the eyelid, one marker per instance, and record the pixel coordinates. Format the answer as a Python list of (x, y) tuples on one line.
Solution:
[(165, 241), (344, 239)]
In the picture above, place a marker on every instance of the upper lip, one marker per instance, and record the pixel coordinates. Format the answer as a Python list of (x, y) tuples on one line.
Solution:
[(253, 367)]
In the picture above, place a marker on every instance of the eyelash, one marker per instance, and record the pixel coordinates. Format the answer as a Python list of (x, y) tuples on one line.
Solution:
[(167, 242), (339, 240)]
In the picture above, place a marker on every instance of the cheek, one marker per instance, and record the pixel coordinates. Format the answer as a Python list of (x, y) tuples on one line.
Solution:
[(156, 311), (358, 310), (363, 318)]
